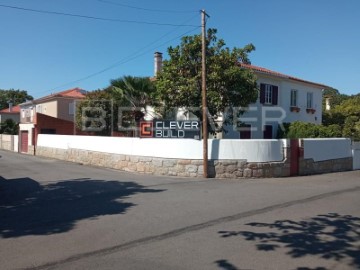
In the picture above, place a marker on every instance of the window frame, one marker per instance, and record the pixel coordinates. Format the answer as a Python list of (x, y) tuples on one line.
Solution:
[(294, 98), (309, 100), (269, 94)]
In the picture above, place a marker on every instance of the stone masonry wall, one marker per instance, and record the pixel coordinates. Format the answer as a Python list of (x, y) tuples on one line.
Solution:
[(6, 142), (309, 166), (172, 167)]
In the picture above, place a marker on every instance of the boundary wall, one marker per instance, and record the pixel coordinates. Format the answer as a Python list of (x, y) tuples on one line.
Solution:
[(356, 156), (183, 157), (325, 155), (173, 157), (9, 142)]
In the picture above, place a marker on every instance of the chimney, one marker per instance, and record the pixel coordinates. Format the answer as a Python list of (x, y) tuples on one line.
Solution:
[(157, 62), (327, 103), (10, 106)]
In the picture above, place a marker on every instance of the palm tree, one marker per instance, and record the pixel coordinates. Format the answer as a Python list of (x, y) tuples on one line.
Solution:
[(135, 93)]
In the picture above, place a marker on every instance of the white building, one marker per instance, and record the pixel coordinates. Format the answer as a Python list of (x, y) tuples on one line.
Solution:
[(282, 99)]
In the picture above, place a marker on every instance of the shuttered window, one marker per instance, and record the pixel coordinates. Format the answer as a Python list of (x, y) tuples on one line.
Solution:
[(269, 94)]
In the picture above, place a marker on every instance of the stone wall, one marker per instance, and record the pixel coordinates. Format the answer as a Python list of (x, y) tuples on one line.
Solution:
[(309, 166), (7, 142), (171, 167)]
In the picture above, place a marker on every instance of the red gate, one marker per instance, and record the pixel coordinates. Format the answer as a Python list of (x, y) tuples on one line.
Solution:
[(24, 141), (294, 155)]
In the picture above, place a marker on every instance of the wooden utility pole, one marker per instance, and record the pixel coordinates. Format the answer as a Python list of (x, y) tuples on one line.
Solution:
[(203, 94)]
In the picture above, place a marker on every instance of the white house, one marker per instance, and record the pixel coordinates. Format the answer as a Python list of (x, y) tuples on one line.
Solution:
[(282, 99)]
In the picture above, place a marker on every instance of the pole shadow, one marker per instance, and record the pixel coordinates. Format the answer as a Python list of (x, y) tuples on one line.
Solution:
[(28, 208)]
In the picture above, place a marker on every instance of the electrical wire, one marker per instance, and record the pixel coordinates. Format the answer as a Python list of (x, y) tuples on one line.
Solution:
[(122, 61), (146, 9), (94, 18)]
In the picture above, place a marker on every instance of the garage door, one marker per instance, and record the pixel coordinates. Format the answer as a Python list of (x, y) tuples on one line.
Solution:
[(24, 141)]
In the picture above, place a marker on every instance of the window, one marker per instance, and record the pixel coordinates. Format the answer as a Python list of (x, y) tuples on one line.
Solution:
[(71, 108), (309, 100), (47, 131), (293, 98), (39, 108), (268, 94)]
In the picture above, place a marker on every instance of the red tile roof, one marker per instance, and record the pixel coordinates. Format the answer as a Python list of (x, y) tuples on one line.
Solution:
[(15, 109), (71, 93), (74, 93), (281, 75)]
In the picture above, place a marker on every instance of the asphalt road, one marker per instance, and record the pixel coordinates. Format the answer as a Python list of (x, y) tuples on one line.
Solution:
[(59, 215)]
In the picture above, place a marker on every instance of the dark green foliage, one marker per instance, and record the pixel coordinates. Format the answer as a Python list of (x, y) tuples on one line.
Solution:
[(346, 114), (101, 102), (308, 130), (132, 95), (14, 96), (228, 85), (9, 127)]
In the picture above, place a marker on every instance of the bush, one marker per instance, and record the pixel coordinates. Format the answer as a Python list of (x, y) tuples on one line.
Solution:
[(308, 130), (9, 127)]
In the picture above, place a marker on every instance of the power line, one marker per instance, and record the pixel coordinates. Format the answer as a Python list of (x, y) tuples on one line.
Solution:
[(94, 18), (146, 9), (122, 61)]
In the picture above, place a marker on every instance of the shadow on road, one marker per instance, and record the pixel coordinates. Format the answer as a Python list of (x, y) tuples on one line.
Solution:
[(224, 264), (28, 208), (331, 236)]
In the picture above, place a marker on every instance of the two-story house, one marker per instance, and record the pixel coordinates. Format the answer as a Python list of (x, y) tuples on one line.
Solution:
[(52, 114), (282, 99)]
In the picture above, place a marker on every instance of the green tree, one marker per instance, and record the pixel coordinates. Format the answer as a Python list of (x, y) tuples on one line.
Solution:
[(90, 113), (352, 127), (14, 96), (228, 85), (336, 98), (136, 93), (9, 126), (133, 95)]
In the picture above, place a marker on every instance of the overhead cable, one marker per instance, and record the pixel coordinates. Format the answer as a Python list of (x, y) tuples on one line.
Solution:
[(146, 9), (95, 18)]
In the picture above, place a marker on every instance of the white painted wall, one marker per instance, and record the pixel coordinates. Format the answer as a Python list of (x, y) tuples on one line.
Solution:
[(16, 143), (356, 155), (259, 115), (251, 150), (326, 149)]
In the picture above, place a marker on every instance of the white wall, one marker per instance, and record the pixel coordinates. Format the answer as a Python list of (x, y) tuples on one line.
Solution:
[(251, 150), (326, 149), (16, 143), (356, 156), (259, 115)]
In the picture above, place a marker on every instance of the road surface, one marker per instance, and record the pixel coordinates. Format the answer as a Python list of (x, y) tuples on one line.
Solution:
[(59, 215)]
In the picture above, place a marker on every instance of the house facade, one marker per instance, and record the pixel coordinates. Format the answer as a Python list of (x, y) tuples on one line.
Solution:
[(47, 115), (13, 113), (282, 99)]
